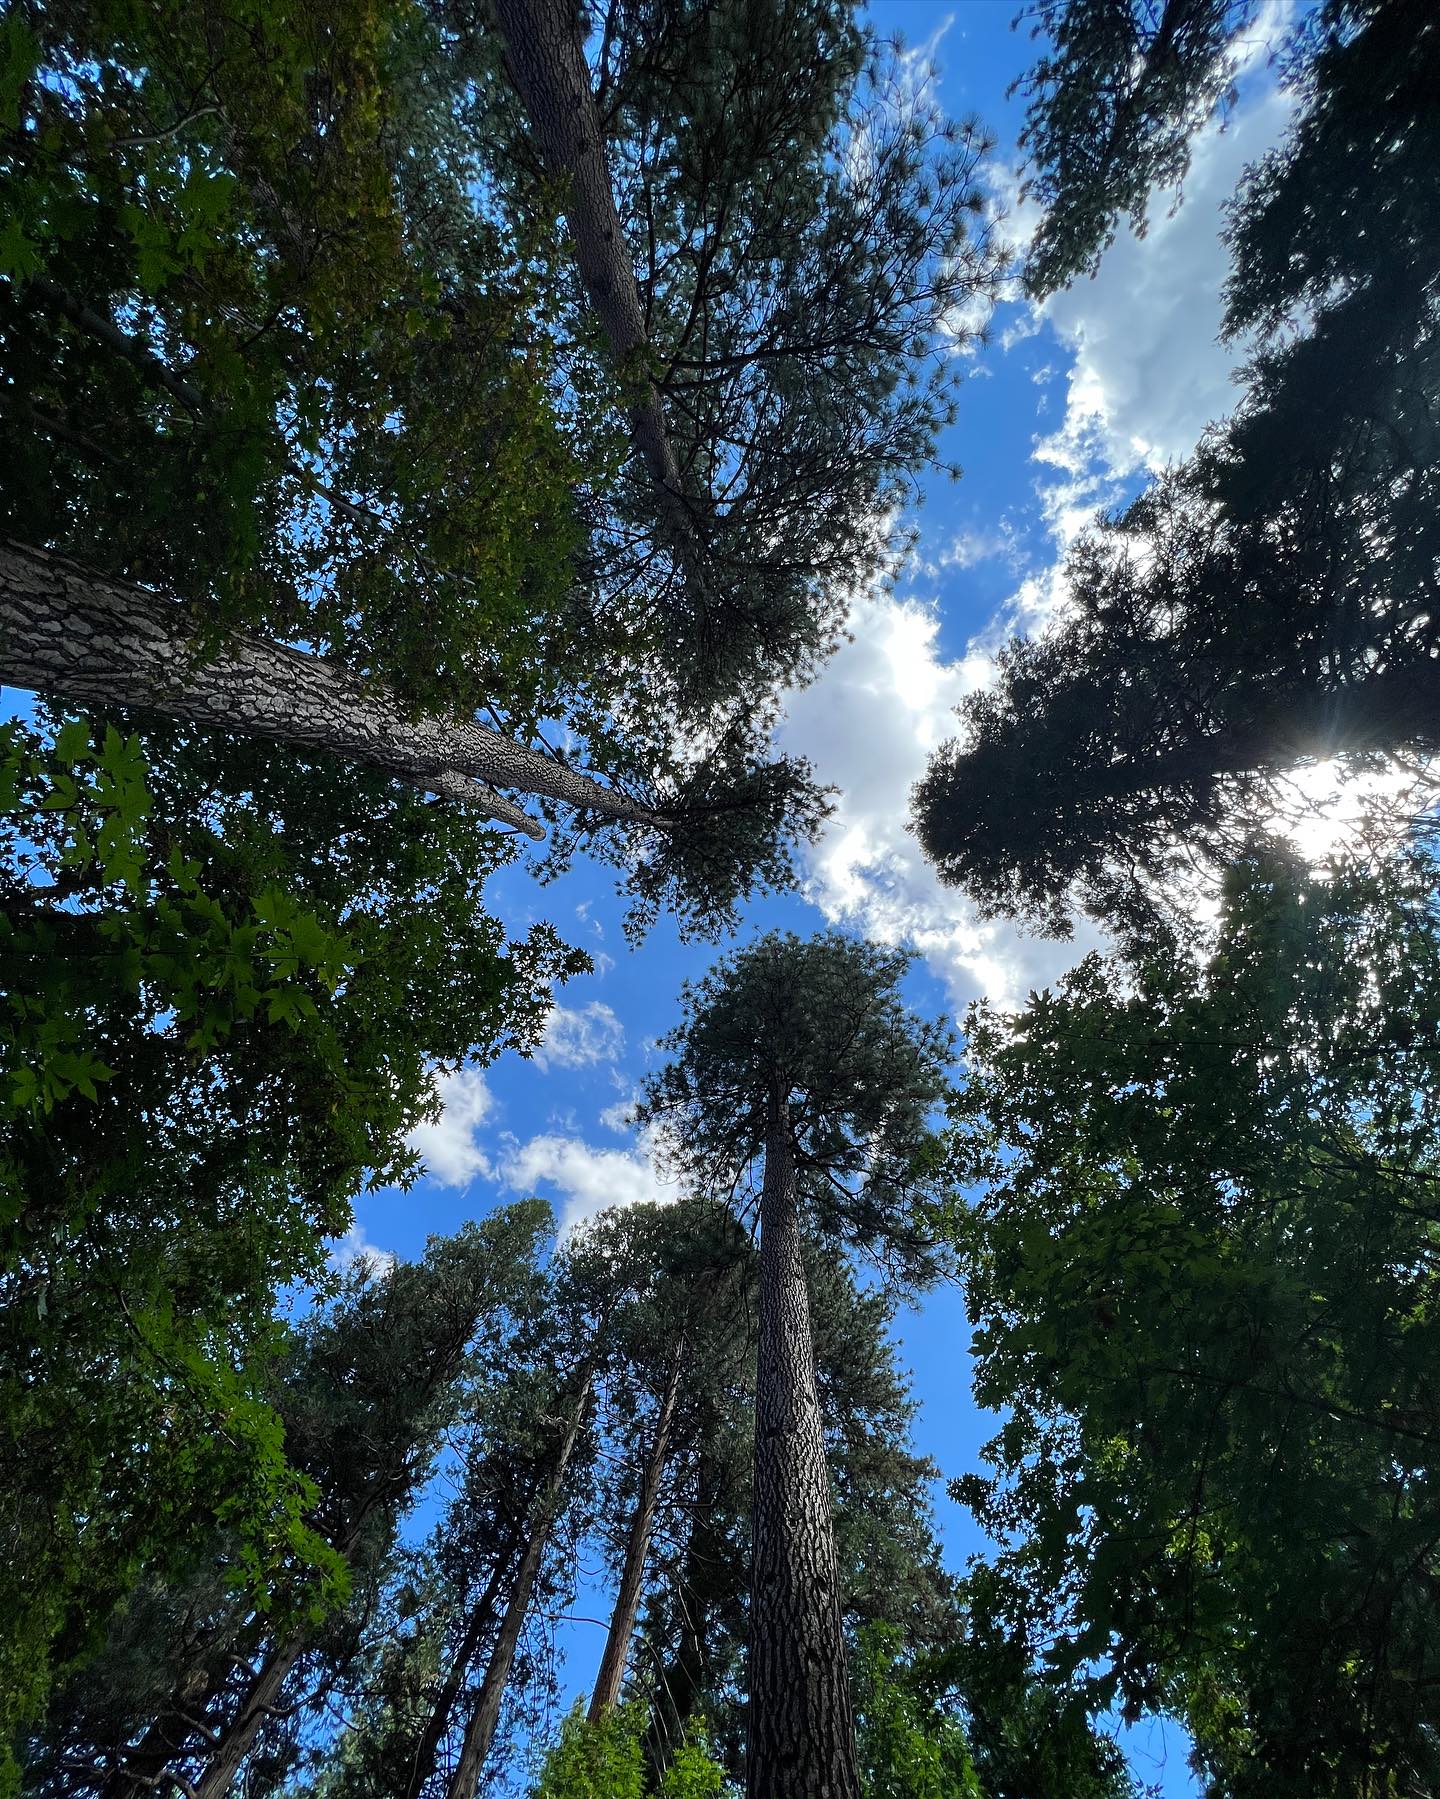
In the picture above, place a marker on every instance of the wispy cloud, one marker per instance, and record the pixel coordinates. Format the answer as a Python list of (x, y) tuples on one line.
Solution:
[(576, 1037)]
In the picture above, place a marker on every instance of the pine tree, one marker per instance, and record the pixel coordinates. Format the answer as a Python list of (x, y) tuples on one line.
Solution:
[(1270, 602), (802, 1053), (190, 1673)]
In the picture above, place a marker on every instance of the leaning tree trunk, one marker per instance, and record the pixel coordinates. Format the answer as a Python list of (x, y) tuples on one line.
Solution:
[(480, 1732), (83, 637), (801, 1727), (632, 1576), (482, 1615), (262, 1698), (545, 54)]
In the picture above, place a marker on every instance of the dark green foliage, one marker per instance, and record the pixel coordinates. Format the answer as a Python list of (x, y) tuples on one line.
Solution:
[(248, 290), (1203, 1276), (1114, 102), (819, 1024), (805, 228), (1272, 601)]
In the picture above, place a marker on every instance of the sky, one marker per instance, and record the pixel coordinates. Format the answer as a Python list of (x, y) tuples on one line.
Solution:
[(1068, 408)]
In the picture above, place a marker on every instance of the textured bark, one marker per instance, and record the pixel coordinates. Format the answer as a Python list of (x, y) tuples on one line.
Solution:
[(261, 1698), (545, 54), (482, 1615), (801, 1727), (611, 1677), (68, 631), (480, 1732)]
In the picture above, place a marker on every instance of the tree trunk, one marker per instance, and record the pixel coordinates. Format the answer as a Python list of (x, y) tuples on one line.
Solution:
[(545, 54), (436, 1725), (480, 1732), (632, 1577), (261, 1698), (801, 1727), (68, 631)]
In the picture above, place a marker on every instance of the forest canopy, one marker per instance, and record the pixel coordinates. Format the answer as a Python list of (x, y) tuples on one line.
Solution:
[(442, 440)]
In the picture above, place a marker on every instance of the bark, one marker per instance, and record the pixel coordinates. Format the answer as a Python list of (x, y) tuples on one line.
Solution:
[(262, 1696), (67, 631), (481, 1617), (801, 1727), (545, 54), (611, 1677), (480, 1732)]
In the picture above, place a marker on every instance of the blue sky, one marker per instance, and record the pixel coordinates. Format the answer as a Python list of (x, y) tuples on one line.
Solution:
[(1066, 410)]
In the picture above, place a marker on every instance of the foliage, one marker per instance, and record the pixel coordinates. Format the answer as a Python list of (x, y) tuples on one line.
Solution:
[(1202, 1274), (1114, 102), (205, 1055), (1272, 600), (818, 1027), (604, 1760), (910, 1748), (357, 1397)]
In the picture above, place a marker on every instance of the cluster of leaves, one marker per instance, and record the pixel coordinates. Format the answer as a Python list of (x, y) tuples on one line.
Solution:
[(606, 1760), (249, 288), (1202, 1273)]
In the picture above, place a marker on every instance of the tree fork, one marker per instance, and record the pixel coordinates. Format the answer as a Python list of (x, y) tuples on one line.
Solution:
[(87, 638), (802, 1728)]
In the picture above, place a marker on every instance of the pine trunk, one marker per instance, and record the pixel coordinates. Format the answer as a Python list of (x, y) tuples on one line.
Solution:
[(85, 638), (480, 1732), (481, 1617), (610, 1679), (801, 1727), (545, 54)]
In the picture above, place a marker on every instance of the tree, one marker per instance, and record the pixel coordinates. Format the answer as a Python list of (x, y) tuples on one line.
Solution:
[(206, 1054), (192, 1671), (1201, 1268), (803, 1054), (260, 268), (1114, 103), (1270, 602), (777, 237), (133, 327)]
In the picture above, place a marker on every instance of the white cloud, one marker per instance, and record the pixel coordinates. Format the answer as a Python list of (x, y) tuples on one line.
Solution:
[(1149, 372), (870, 722), (588, 1179), (577, 1037), (356, 1248), (619, 1117), (448, 1145), (1145, 375)]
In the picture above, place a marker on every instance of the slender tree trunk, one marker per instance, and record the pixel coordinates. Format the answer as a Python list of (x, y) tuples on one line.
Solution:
[(801, 1727), (261, 1698), (545, 54), (68, 631), (632, 1576), (480, 1732), (481, 1617)]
